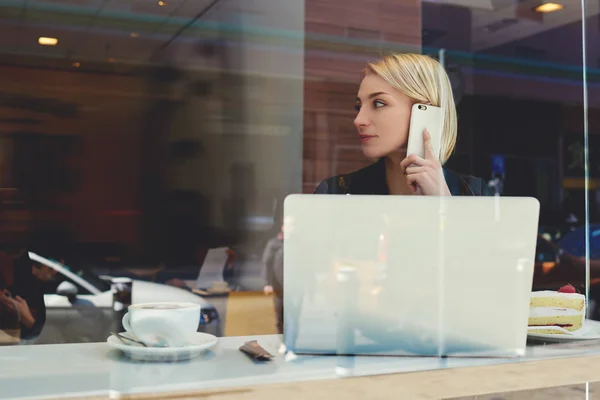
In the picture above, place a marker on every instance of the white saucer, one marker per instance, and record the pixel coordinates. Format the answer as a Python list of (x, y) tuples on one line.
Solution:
[(589, 331), (201, 343)]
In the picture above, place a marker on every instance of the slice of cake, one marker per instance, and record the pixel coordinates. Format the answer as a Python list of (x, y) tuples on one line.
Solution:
[(564, 308)]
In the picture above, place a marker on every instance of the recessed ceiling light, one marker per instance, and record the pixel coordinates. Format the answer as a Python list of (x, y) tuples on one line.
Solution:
[(549, 7), (134, 35), (77, 64), (47, 41), (162, 3)]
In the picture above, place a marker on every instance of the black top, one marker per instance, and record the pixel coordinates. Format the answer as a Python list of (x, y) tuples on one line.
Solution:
[(371, 180)]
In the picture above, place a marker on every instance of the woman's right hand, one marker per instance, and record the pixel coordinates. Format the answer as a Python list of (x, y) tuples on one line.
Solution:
[(425, 176)]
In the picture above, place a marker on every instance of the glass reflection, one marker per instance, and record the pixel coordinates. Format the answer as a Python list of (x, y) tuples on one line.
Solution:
[(160, 146), (153, 144)]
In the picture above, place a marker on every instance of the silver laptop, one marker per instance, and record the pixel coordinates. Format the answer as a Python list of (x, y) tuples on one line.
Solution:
[(404, 275)]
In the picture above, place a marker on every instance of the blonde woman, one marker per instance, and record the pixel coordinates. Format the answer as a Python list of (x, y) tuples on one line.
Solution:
[(390, 87)]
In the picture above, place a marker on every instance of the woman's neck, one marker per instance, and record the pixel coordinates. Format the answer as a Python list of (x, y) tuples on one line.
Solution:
[(394, 176)]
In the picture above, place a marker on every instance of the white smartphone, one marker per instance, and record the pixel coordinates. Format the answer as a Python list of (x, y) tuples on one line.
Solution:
[(424, 116)]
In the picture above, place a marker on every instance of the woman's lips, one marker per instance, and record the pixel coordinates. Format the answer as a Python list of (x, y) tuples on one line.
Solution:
[(366, 138)]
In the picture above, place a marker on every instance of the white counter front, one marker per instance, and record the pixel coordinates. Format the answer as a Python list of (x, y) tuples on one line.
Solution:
[(59, 371)]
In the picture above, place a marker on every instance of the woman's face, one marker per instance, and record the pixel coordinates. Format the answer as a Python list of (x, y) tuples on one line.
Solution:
[(383, 117)]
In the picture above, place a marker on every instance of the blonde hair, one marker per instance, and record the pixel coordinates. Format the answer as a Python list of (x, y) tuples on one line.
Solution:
[(424, 80)]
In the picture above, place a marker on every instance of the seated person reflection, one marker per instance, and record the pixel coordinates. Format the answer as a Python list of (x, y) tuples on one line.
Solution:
[(272, 261), (21, 297), (389, 89)]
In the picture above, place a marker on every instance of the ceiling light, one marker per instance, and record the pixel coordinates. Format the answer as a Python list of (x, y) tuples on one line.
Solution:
[(549, 7), (162, 3), (47, 41), (77, 64)]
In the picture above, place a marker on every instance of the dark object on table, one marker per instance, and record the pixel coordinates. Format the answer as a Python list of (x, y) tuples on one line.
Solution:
[(256, 351)]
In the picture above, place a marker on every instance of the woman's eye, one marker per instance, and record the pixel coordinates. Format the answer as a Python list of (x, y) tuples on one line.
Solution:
[(357, 107), (378, 103)]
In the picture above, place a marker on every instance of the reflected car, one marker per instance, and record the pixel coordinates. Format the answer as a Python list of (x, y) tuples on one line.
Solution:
[(79, 304)]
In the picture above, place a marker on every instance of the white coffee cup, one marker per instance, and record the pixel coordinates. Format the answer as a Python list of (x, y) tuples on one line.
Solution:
[(163, 324)]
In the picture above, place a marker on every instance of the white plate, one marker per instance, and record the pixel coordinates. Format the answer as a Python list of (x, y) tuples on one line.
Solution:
[(589, 331), (201, 343)]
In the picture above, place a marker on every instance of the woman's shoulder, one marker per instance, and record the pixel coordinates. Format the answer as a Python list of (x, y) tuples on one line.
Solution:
[(340, 184), (334, 184), (466, 185)]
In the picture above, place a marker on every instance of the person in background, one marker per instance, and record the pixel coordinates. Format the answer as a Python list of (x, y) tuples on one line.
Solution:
[(21, 296), (272, 262), (9, 320)]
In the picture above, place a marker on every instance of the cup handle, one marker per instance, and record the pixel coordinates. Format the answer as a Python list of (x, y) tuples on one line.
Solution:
[(125, 323)]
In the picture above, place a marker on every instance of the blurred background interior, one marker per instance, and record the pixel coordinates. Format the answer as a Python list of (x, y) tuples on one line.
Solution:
[(156, 140)]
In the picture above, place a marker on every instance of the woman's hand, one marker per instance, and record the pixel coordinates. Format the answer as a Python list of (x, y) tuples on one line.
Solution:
[(6, 302), (425, 176), (17, 306), (27, 318)]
